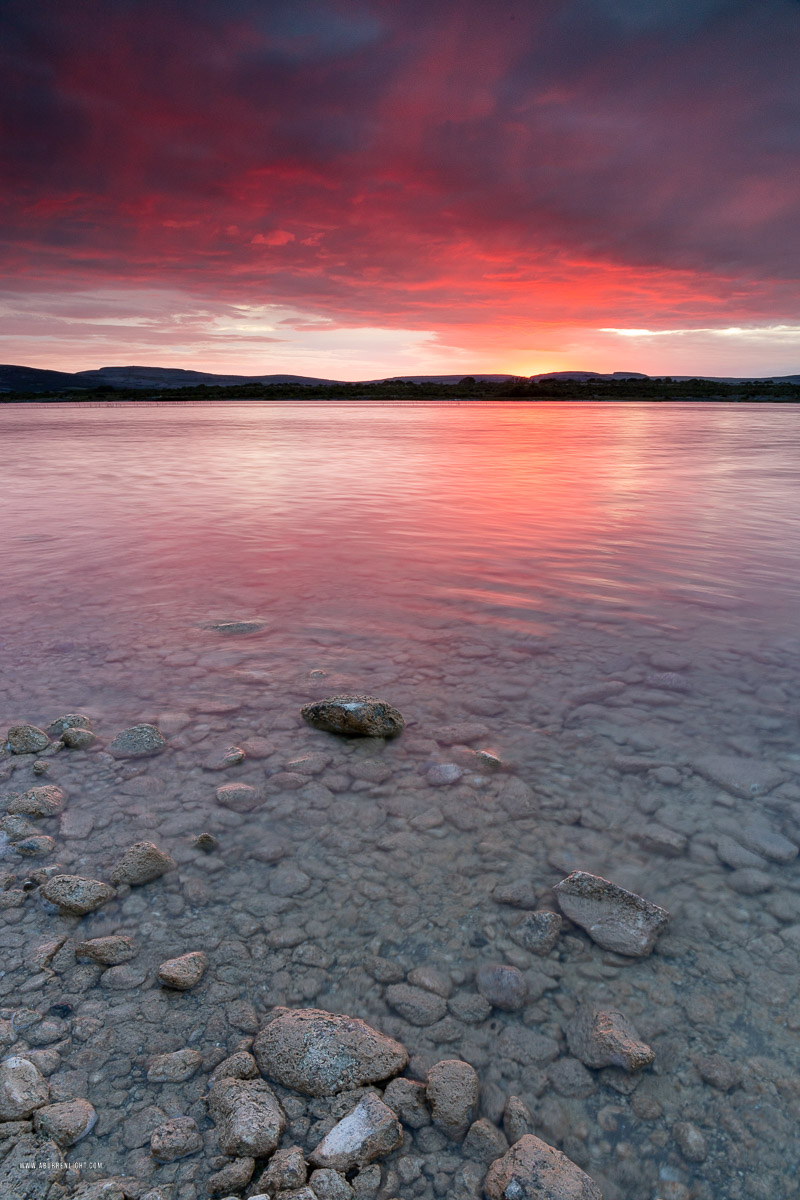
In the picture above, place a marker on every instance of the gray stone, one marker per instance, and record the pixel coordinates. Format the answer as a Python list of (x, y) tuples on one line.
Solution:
[(538, 932), (484, 1142), (329, 1185), (503, 986), (67, 1122), (108, 951), (416, 1005), (141, 863), (140, 741), (27, 739), (745, 777), (175, 1139), (232, 1177), (363, 716), (174, 1068), (220, 760), (570, 1077), (518, 893), (37, 1182), (443, 774), (532, 1170), (606, 1038), (231, 628), (286, 1169), (320, 1053), (616, 919), (369, 1132), (768, 842), (451, 1089), (37, 846), (248, 1116), (23, 1089), (44, 801), (691, 1142), (240, 797), (78, 739), (68, 721), (406, 1097), (76, 895), (517, 1119), (657, 839), (183, 972)]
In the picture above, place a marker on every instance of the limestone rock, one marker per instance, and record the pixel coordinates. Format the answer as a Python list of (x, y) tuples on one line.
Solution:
[(503, 986), (141, 863), (67, 1122), (140, 741), (108, 951), (451, 1089), (616, 919), (23, 1089), (174, 1068), (76, 895), (532, 1170), (369, 1132), (45, 801), (320, 1053), (175, 1139), (415, 1005), (248, 1117), (606, 1038), (27, 739), (363, 716), (183, 972)]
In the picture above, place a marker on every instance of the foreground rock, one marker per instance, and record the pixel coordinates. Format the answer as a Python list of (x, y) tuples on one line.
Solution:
[(183, 972), (616, 919), (141, 863), (76, 895), (247, 1115), (320, 1053), (606, 1038), (27, 739), (107, 951), (369, 1132), (362, 716), (45, 801), (175, 1139), (140, 741), (532, 1170), (176, 1067), (65, 1123), (23, 1089), (452, 1091), (42, 1174)]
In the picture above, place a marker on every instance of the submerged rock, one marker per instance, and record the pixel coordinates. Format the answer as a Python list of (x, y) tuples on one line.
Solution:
[(415, 1005), (175, 1139), (248, 1116), (78, 739), (176, 1067), (362, 716), (745, 777), (239, 797), (320, 1053), (27, 739), (503, 986), (451, 1090), (44, 801), (234, 627), (538, 931), (183, 972), (23, 1089), (76, 895), (68, 721), (606, 1038), (369, 1132), (140, 741), (67, 1122), (107, 951), (616, 919), (141, 863), (532, 1170)]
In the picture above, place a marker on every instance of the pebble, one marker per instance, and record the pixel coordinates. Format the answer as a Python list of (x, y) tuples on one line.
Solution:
[(78, 739), (140, 741), (286, 1169), (415, 1005), (369, 1132), (175, 1139), (616, 919), (232, 1177), (44, 801), (108, 951), (328, 1185), (503, 986), (288, 881), (75, 894), (451, 1089), (26, 739), (749, 881), (470, 1007), (657, 839), (606, 1038), (431, 980), (67, 1122), (240, 797), (406, 1097), (745, 777), (442, 774), (517, 893), (174, 1068), (769, 843), (718, 1072), (183, 972), (123, 978), (248, 1116), (220, 760), (363, 716), (484, 1142), (538, 931), (517, 1119), (691, 1142), (23, 1089), (569, 1077), (69, 721), (141, 863), (320, 1053), (37, 846), (532, 1169)]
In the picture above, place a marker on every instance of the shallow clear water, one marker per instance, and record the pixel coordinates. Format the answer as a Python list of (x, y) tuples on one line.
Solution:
[(467, 562)]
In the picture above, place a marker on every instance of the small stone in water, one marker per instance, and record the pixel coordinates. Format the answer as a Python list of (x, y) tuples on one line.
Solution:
[(67, 1122), (232, 756), (206, 842), (27, 739), (69, 721), (22, 1089), (140, 741), (141, 863), (108, 951), (616, 919), (37, 846), (363, 716), (503, 986), (441, 774), (78, 739), (75, 894), (233, 627), (183, 972), (45, 801), (605, 1038), (175, 1139), (239, 797), (538, 931)]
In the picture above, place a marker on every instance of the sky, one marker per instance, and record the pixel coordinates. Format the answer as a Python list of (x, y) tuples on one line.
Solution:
[(357, 188)]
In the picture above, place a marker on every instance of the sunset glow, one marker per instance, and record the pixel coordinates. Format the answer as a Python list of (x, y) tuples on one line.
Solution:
[(356, 188)]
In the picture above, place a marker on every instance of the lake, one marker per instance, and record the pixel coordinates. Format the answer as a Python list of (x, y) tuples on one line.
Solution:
[(588, 616)]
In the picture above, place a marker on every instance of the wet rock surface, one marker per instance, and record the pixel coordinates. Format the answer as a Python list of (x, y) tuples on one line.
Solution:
[(141, 863), (183, 972), (77, 895), (248, 1116), (370, 1131), (532, 1170), (360, 716), (613, 917), (605, 1038), (140, 741)]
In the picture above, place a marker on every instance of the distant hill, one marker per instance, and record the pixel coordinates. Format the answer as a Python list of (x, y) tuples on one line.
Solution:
[(32, 380)]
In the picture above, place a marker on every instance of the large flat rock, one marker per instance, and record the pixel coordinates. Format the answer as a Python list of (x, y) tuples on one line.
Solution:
[(532, 1170), (321, 1053), (616, 919), (745, 777)]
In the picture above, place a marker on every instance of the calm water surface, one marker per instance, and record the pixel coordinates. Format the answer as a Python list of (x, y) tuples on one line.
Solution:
[(603, 596)]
